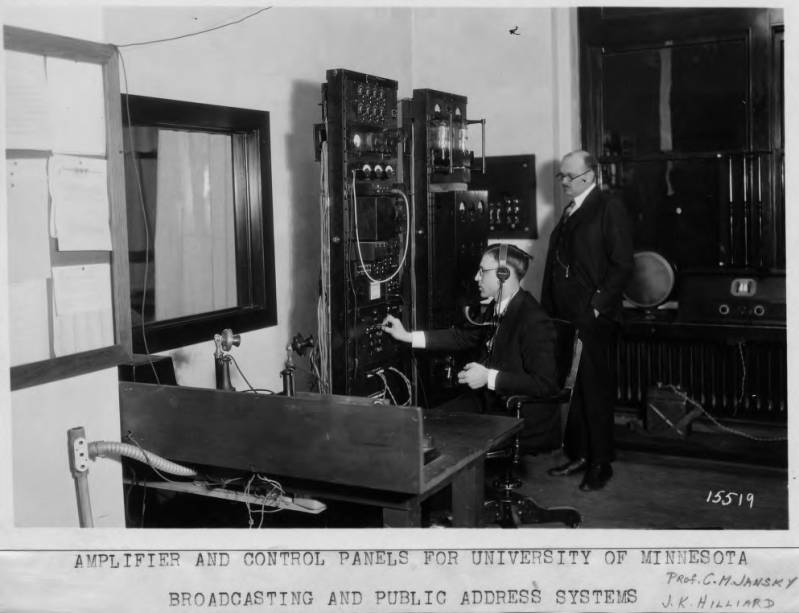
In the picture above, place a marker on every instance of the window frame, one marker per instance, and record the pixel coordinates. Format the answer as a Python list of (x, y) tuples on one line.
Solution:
[(252, 187)]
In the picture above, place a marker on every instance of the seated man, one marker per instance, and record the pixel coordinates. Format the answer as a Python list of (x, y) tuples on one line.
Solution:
[(517, 349)]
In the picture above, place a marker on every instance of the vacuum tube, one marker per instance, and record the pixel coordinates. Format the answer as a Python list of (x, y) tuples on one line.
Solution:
[(440, 139), (461, 153)]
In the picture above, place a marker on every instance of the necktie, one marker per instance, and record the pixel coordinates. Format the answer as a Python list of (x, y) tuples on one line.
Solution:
[(558, 242), (568, 210)]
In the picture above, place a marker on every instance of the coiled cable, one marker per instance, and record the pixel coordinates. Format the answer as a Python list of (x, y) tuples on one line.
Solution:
[(106, 448)]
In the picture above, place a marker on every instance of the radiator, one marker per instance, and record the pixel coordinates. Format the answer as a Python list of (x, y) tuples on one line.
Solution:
[(744, 380)]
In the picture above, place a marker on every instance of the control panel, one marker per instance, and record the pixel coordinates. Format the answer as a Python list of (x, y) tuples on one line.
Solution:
[(511, 184), (732, 296), (368, 229), (403, 232)]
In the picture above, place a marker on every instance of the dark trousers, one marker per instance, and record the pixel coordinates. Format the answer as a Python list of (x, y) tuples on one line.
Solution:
[(589, 427)]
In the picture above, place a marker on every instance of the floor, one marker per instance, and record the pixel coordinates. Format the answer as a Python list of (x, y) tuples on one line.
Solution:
[(659, 482), (647, 491), (654, 491)]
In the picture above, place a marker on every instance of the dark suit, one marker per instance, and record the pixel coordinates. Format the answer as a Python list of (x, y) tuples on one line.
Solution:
[(523, 353), (589, 262)]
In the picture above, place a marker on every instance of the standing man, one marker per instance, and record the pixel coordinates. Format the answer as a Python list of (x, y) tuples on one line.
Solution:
[(588, 264), (517, 346)]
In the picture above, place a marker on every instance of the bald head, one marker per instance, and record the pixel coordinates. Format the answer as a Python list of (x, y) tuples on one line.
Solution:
[(582, 157)]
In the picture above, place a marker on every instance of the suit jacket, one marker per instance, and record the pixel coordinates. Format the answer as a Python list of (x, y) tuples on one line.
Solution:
[(523, 350), (595, 242)]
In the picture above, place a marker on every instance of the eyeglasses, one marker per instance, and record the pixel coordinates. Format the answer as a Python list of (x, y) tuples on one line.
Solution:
[(560, 176), (482, 271)]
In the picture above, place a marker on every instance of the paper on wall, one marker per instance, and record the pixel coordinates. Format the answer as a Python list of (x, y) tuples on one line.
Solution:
[(28, 124), (79, 191), (81, 288), (77, 106), (28, 322), (82, 308), (28, 237)]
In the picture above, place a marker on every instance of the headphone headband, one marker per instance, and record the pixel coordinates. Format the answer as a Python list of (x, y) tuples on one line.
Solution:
[(503, 272)]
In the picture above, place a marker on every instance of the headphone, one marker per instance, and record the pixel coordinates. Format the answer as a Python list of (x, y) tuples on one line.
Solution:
[(503, 272)]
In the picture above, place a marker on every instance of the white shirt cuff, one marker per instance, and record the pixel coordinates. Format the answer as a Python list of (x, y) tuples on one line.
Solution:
[(492, 378), (418, 340)]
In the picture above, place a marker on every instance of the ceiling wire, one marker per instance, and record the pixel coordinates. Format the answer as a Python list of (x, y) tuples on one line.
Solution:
[(219, 27)]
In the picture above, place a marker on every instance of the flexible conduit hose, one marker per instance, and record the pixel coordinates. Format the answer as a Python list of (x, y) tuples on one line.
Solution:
[(104, 448)]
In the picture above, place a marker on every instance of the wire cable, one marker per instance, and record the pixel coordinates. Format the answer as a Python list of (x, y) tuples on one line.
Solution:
[(151, 460), (269, 498), (408, 386), (715, 421), (145, 220), (473, 321), (381, 374), (743, 369), (358, 238), (133, 154), (104, 448), (236, 364), (323, 305), (190, 34)]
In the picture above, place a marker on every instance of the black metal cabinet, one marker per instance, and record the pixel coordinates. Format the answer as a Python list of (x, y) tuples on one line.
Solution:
[(684, 109)]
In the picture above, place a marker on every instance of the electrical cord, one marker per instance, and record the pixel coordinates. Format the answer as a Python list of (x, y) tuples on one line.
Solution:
[(190, 34), (143, 208), (236, 364), (322, 348), (143, 506), (407, 382), (386, 388), (153, 461), (312, 359), (133, 483), (473, 321), (692, 402), (422, 388), (118, 49), (270, 498), (358, 238), (743, 369)]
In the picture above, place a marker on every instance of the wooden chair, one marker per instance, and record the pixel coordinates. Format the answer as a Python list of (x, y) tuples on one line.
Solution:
[(509, 508)]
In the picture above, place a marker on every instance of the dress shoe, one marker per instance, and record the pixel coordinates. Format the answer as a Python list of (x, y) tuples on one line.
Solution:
[(569, 468), (596, 477)]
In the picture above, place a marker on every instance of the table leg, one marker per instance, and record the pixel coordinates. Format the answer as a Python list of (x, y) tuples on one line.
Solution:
[(410, 517), (467, 495)]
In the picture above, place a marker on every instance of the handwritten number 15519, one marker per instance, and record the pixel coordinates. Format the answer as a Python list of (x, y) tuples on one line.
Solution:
[(725, 498)]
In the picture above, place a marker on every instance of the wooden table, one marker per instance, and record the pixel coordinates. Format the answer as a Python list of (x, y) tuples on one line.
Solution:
[(327, 446), (461, 441)]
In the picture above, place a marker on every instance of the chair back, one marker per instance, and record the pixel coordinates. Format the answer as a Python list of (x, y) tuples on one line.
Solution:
[(568, 347)]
